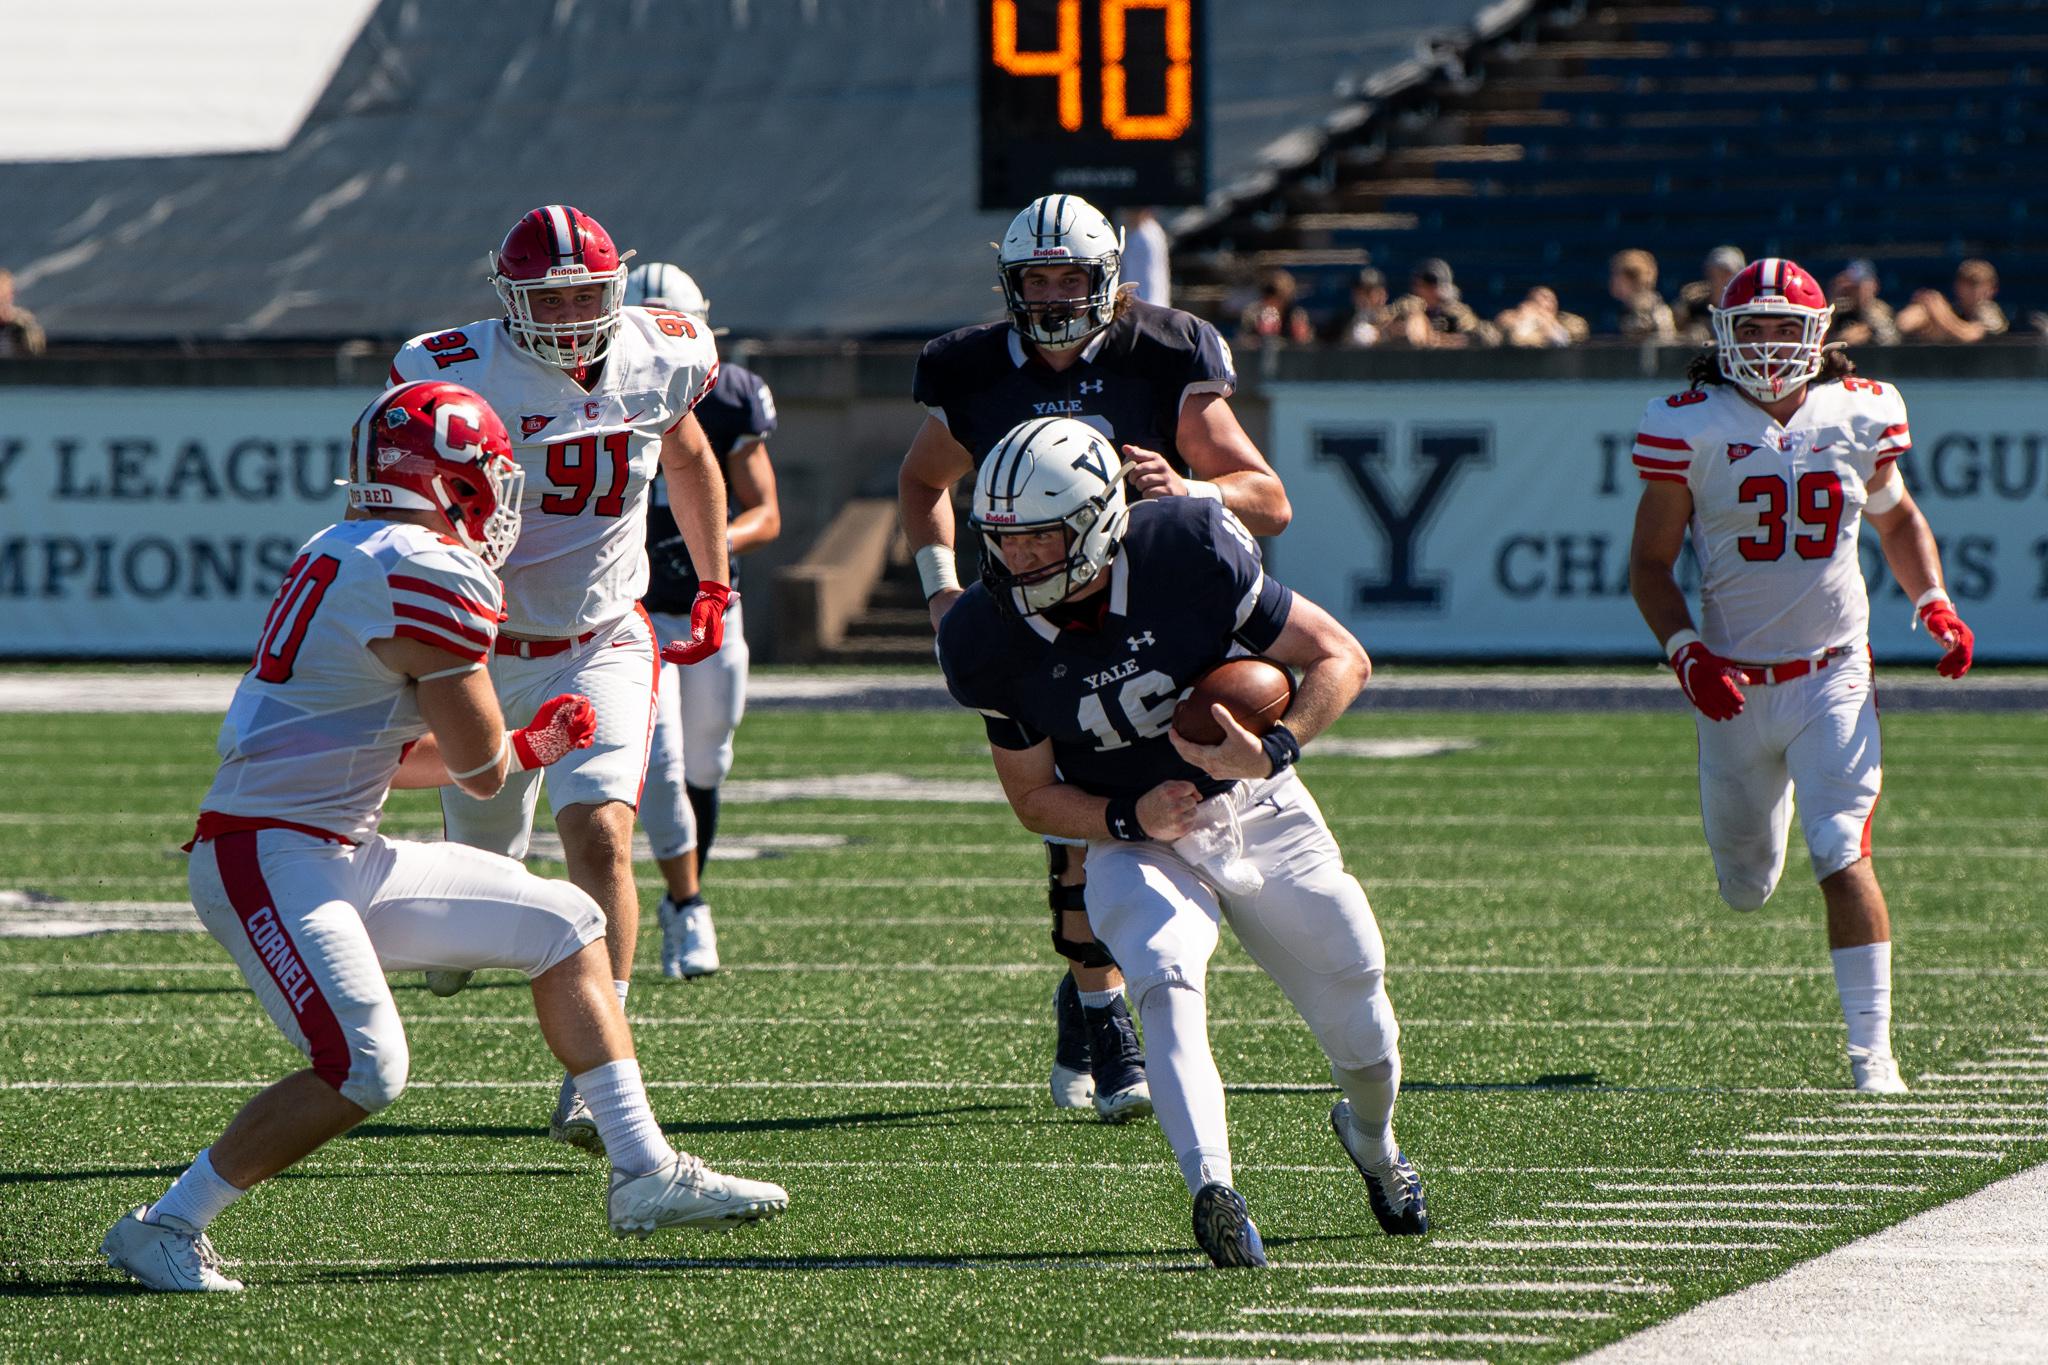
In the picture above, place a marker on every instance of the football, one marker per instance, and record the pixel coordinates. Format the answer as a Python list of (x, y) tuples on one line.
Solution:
[(1256, 692)]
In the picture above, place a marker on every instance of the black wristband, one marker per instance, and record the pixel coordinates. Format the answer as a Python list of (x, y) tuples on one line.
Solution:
[(1121, 817), (1282, 747)]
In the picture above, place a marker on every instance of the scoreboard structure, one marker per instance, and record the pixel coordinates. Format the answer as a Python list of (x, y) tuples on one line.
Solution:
[(1106, 99)]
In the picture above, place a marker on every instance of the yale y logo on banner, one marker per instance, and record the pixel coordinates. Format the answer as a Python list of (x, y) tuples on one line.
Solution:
[(1364, 453)]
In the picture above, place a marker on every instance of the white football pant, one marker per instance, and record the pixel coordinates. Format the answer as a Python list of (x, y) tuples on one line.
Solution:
[(617, 670), (698, 709), (314, 925), (1815, 736)]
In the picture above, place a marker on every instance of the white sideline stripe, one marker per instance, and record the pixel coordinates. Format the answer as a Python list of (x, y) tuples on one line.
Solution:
[(1370, 1338), (1962, 1119), (1687, 1187), (1966, 1255), (1499, 1287), (1793, 1204), (1341, 1310), (1808, 1153), (1881, 1137), (1595, 1244), (1581, 1224)]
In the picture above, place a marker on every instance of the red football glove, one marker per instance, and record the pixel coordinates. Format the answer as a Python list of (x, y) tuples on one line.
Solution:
[(707, 625), (1707, 682), (563, 723), (1939, 616)]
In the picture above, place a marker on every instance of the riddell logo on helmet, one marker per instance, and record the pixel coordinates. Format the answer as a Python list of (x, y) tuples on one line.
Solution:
[(1051, 251), (999, 518), (555, 270), (1738, 450)]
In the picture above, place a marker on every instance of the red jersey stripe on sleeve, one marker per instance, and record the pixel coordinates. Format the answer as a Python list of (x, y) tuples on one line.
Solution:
[(1896, 429), (426, 587), (441, 619), (1643, 438), (460, 649), (1884, 460), (1648, 462), (1651, 475)]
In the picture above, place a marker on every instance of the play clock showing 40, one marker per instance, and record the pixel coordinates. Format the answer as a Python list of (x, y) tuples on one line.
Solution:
[(1106, 99)]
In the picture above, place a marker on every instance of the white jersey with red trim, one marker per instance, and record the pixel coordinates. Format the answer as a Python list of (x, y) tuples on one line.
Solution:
[(1776, 509), (318, 723), (581, 560)]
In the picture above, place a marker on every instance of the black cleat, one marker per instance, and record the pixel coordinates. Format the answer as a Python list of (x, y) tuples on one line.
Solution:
[(1118, 1064), (1395, 1190), (1224, 1229)]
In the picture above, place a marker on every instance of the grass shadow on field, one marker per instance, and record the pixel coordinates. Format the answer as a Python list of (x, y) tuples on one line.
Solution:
[(100, 1173), (1172, 1261), (96, 992), (893, 1118)]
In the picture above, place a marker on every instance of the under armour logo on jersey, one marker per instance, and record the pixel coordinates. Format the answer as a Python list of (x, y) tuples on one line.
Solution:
[(1740, 450), (1139, 640), (1089, 386), (531, 423)]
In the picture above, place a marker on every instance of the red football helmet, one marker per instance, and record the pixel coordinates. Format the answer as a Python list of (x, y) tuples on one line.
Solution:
[(1772, 288), (558, 247), (433, 446)]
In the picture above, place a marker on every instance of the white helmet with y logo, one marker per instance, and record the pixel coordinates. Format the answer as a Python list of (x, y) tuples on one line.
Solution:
[(1061, 229), (1049, 474)]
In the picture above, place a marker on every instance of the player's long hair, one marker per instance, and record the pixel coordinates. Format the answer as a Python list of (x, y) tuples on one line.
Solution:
[(1835, 366)]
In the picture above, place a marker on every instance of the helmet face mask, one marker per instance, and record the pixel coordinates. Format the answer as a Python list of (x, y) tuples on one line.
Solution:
[(431, 446), (558, 248), (1060, 230), (1051, 475), (1768, 368)]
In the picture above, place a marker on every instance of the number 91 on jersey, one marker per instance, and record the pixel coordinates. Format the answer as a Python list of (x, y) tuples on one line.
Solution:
[(1106, 99)]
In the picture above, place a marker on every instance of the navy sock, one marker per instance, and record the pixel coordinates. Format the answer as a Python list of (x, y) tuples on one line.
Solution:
[(704, 801)]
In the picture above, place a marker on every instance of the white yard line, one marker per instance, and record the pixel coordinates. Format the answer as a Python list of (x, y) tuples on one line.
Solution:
[(1796, 1154), (1624, 1204), (1499, 1287), (1956, 1285), (1879, 1137), (1338, 1310), (1689, 1224), (1593, 1244), (1758, 1186)]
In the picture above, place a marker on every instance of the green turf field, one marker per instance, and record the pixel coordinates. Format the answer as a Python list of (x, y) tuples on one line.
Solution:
[(1623, 1097)]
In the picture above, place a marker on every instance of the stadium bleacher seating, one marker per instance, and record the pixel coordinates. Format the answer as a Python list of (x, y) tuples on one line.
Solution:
[(1910, 132)]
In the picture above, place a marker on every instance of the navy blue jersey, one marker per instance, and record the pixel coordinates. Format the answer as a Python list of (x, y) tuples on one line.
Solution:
[(1185, 588), (738, 410), (1129, 383)]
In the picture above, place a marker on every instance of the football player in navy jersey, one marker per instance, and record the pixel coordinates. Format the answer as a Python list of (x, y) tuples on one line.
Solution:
[(1090, 619), (1157, 383), (698, 708)]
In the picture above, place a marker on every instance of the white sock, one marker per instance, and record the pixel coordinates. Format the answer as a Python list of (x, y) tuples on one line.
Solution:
[(1863, 979), (618, 1101), (1100, 1000), (1372, 1090), (197, 1197), (622, 987), (1187, 1092)]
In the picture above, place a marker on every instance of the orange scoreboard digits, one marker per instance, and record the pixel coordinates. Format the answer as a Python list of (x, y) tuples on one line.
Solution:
[(1101, 98)]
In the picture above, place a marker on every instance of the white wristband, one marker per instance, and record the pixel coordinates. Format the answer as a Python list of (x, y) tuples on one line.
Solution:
[(937, 571), (1202, 488), (1887, 497), (1680, 641), (504, 755), (1933, 594)]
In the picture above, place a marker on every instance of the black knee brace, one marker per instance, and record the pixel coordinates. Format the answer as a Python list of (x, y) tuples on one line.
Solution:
[(1088, 952)]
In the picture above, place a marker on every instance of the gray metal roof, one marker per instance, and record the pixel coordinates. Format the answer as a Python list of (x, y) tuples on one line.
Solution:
[(810, 161)]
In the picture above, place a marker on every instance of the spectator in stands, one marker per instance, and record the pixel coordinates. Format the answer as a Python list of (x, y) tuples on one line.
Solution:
[(1537, 321), (1861, 317), (1145, 257), (20, 334), (1973, 317), (1366, 323), (1274, 318), (1632, 283), (1431, 314), (1691, 312)]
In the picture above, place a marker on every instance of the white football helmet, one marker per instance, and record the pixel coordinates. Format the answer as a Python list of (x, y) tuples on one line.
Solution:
[(1051, 473), (1061, 229), (658, 284)]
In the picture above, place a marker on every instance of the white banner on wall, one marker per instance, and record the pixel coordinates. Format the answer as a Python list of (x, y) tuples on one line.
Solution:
[(1473, 519), (149, 522)]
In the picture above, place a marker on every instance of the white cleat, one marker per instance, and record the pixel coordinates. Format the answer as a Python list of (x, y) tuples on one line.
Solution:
[(688, 1194), (1133, 1102), (1876, 1074), (689, 943), (572, 1121), (1071, 1089), (445, 984), (166, 1255)]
